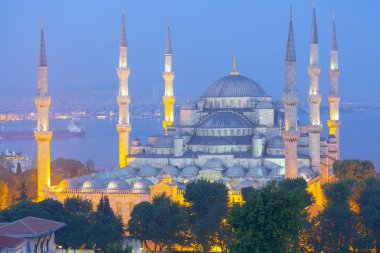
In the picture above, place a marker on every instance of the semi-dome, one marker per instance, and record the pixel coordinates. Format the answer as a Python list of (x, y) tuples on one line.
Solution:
[(276, 142), (148, 171), (117, 184), (142, 184), (92, 184), (235, 86), (225, 120), (214, 164), (235, 172), (190, 171), (69, 184), (257, 172), (172, 170), (248, 183)]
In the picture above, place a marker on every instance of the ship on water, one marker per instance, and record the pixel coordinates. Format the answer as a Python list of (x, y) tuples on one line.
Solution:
[(74, 130)]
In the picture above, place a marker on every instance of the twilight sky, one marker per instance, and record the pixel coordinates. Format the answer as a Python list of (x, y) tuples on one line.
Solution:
[(82, 39)]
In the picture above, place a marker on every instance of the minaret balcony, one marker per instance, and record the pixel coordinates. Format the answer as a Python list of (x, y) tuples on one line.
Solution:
[(123, 128), (333, 123), (168, 76), (315, 129), (168, 100), (314, 99), (314, 70), (123, 72), (123, 100), (290, 98), (42, 101), (334, 99), (334, 73), (43, 135), (290, 135)]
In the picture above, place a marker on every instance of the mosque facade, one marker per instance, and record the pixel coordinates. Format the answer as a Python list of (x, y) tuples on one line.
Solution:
[(234, 133)]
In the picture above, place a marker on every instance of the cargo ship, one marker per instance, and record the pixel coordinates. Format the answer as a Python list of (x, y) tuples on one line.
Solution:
[(74, 130)]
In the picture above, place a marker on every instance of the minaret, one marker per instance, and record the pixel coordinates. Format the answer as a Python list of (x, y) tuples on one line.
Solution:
[(168, 99), (290, 100), (42, 134), (314, 99), (334, 99), (123, 100)]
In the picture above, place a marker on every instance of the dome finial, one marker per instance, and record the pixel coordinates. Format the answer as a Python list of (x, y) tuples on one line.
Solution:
[(234, 71)]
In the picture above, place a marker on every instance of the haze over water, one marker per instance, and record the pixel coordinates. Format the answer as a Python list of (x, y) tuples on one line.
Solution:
[(359, 139)]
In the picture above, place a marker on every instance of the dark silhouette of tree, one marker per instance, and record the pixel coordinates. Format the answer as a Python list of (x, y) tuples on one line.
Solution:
[(23, 192), (354, 169), (207, 207), (18, 169)]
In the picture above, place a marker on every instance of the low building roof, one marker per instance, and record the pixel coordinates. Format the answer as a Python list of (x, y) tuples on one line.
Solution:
[(8, 242), (30, 227)]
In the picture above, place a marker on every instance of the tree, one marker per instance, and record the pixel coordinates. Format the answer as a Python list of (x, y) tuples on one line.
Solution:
[(4, 189), (118, 248), (23, 192), (271, 218), (369, 202), (9, 166), (208, 205), (138, 224), (337, 221), (105, 227), (18, 169), (354, 169), (23, 209)]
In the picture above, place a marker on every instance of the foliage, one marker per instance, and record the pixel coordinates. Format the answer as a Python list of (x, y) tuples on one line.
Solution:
[(4, 189), (18, 169), (23, 192), (369, 202), (339, 222), (354, 169), (161, 222), (208, 206), (271, 218), (105, 227)]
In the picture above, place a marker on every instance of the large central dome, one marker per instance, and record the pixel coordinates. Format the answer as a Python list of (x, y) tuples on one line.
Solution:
[(235, 86)]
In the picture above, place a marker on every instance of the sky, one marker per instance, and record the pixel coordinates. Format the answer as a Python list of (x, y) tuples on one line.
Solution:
[(82, 38)]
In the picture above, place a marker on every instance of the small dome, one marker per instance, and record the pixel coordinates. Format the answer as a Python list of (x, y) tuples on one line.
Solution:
[(235, 172), (276, 142), (214, 164), (142, 184), (92, 184), (128, 172), (234, 86), (148, 171), (190, 171), (117, 184), (257, 172), (172, 170), (264, 105), (69, 184), (225, 120)]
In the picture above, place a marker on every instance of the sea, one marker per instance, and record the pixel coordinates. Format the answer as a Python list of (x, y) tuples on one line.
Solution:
[(360, 138)]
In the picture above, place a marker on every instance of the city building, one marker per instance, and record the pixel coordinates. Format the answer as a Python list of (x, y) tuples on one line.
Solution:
[(234, 133)]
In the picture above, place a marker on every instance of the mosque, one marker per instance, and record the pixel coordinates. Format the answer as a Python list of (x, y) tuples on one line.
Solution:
[(234, 133)]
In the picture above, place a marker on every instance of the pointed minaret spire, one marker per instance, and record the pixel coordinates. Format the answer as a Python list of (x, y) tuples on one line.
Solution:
[(314, 31), (234, 71), (334, 43), (123, 36), (290, 135), (123, 127), (168, 44), (291, 50), (42, 62)]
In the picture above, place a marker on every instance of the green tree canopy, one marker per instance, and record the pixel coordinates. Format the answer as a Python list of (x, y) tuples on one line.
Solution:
[(271, 218), (354, 169), (208, 206)]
